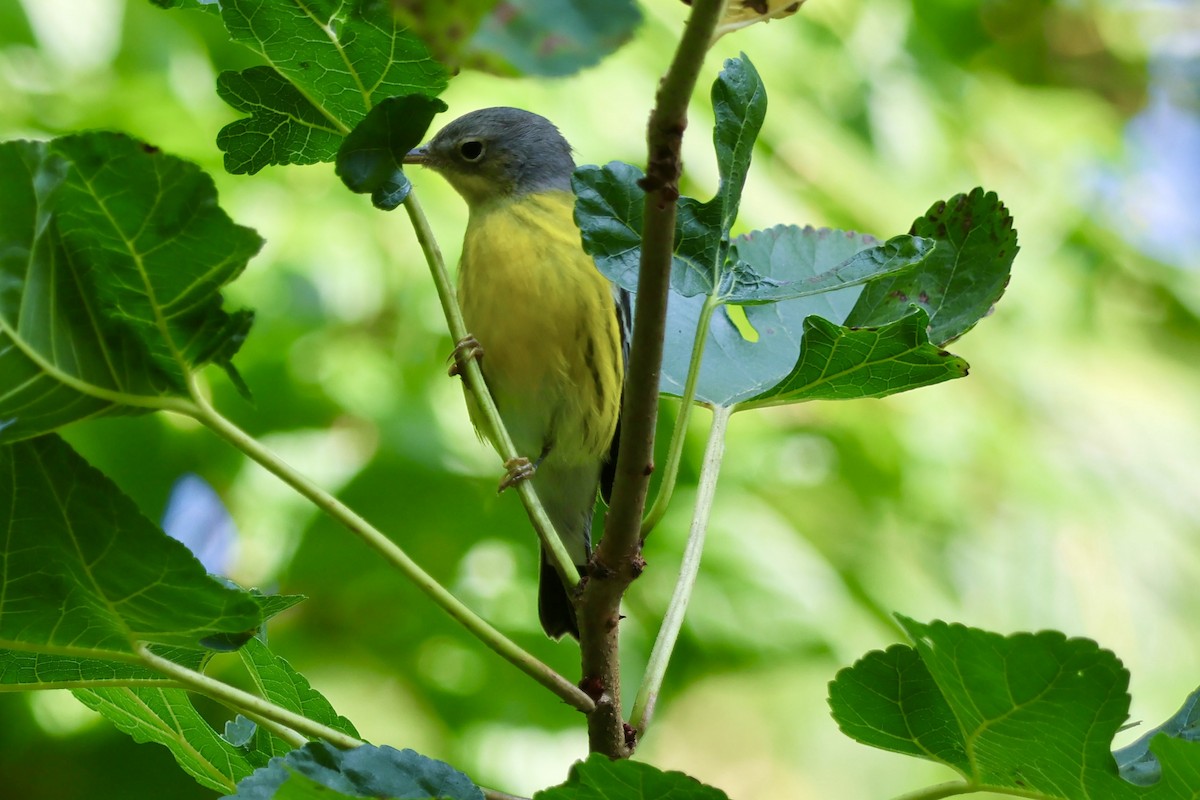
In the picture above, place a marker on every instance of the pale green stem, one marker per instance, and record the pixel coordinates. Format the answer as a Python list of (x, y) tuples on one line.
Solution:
[(392, 552), (290, 736), (948, 789), (668, 634), (472, 376), (244, 701), (678, 436)]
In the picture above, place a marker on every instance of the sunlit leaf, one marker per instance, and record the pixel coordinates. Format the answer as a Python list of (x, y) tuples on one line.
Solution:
[(963, 278), (840, 363), (1028, 713), (283, 126), (85, 574), (112, 257), (786, 249), (276, 680), (167, 717), (742, 13), (328, 64), (610, 199)]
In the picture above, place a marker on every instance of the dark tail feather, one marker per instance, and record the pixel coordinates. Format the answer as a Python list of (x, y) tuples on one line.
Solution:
[(555, 609)]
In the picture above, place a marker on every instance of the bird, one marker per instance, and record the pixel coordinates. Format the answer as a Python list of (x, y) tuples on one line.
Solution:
[(550, 330)]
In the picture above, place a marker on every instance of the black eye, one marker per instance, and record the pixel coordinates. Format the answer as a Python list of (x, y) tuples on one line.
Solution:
[(471, 150)]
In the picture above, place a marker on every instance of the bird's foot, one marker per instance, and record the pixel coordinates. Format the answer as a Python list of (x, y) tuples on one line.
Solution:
[(465, 349), (520, 469)]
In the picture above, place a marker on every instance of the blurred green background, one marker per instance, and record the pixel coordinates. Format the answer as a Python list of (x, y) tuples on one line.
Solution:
[(1056, 487)]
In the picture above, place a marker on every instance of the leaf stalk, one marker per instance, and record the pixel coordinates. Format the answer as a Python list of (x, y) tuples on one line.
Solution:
[(668, 634)]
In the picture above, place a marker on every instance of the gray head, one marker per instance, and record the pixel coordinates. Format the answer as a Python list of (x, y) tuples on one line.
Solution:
[(498, 152)]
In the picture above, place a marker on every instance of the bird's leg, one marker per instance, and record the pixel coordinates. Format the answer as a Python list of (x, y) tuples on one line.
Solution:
[(520, 469), (465, 349)]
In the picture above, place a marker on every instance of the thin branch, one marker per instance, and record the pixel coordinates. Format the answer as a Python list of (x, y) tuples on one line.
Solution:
[(485, 632), (244, 701), (660, 656), (472, 376), (618, 559)]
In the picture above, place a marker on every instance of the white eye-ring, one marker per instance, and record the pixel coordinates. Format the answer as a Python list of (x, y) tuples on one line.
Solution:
[(471, 149)]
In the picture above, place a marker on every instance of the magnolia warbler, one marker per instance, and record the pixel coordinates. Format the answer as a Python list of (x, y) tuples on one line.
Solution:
[(552, 331)]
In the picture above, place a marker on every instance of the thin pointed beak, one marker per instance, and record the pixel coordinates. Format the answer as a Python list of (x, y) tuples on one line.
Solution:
[(419, 155)]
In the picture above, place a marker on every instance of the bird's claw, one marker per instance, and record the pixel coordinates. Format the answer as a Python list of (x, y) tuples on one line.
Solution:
[(519, 469), (465, 349)]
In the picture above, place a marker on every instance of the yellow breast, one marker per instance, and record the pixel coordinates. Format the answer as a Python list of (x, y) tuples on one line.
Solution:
[(545, 319)]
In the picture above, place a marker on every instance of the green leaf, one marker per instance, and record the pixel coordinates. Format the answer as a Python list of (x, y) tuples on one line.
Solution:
[(167, 717), (788, 248), (112, 257), (371, 158), (839, 363), (598, 778), (278, 682), (25, 670), (610, 201), (284, 127), (328, 64), (85, 574), (1027, 713), (547, 37), (1138, 764), (962, 279), (744, 362), (22, 670), (319, 771), (197, 5)]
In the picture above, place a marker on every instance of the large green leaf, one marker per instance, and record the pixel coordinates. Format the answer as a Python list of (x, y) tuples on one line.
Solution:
[(85, 574), (545, 37), (167, 717), (276, 680), (25, 670), (371, 157), (283, 126), (599, 778), (840, 363), (22, 670), (112, 257), (610, 200), (318, 771), (962, 280), (328, 63), (991, 706)]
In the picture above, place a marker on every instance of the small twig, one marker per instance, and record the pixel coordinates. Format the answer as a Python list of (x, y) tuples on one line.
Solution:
[(660, 656)]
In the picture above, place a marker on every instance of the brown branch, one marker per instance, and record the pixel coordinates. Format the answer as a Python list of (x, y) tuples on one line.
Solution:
[(618, 559)]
